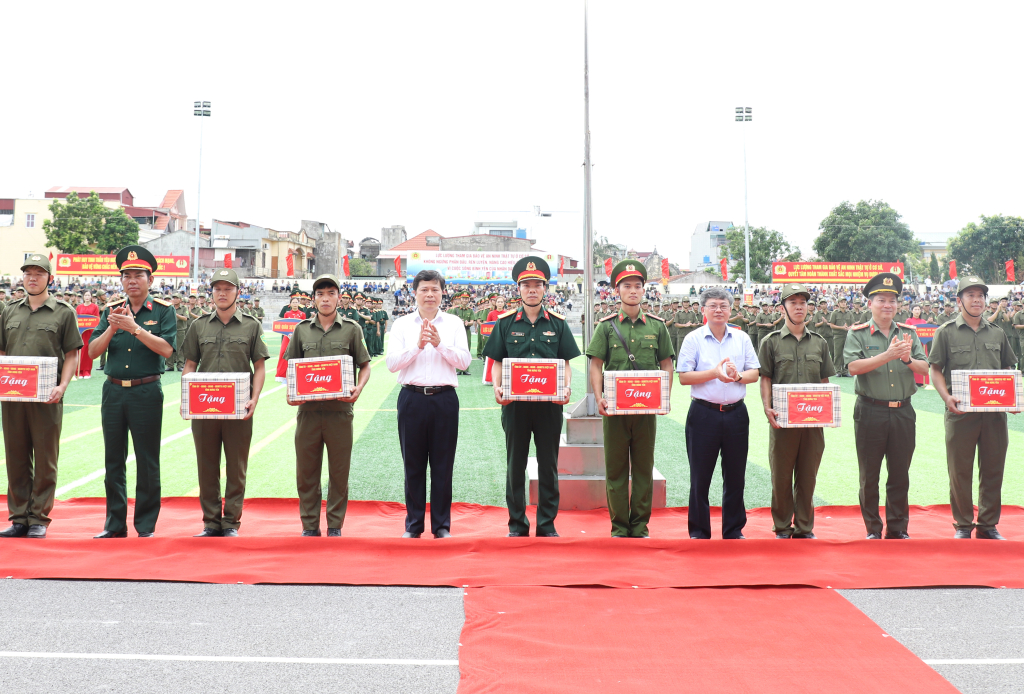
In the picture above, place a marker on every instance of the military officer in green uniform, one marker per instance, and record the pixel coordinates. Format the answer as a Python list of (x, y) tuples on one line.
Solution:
[(326, 423), (182, 317), (819, 324), (468, 317), (1018, 329), (793, 355), (36, 326), (138, 333), (346, 309), (363, 315), (883, 356), (531, 331), (970, 343), (629, 439), (840, 322), (226, 341)]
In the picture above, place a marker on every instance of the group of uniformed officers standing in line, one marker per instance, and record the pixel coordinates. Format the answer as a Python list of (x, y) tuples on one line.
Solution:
[(141, 332)]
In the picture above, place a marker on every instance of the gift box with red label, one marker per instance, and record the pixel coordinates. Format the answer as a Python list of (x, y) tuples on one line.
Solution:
[(321, 378), (27, 379), (637, 392), (987, 390), (214, 395), (533, 380), (806, 405)]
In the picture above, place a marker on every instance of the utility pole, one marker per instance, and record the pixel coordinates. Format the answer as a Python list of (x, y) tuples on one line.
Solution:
[(201, 109), (744, 114)]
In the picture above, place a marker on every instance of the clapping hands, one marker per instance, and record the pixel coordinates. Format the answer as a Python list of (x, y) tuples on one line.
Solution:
[(727, 371), (428, 335), (900, 348)]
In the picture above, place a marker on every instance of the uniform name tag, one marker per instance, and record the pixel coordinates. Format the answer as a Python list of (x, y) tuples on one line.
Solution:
[(514, 334), (873, 348)]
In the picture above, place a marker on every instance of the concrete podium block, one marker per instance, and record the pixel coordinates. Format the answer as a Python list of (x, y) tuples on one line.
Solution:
[(583, 430), (580, 458), (585, 492)]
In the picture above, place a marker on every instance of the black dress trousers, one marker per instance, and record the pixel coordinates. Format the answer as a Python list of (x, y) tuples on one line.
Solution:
[(428, 430), (710, 433)]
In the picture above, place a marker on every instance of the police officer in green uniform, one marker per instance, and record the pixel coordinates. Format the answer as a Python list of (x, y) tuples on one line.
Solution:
[(819, 324), (327, 423), (226, 341), (37, 326), (969, 343), (946, 315), (687, 320), (181, 314), (883, 356), (257, 310), (1018, 329), (1002, 318), (763, 319), (462, 311), (629, 439), (346, 309), (840, 322), (138, 333), (793, 354), (531, 331)]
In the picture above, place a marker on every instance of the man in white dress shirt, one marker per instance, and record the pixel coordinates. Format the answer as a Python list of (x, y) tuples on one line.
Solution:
[(427, 347), (717, 362)]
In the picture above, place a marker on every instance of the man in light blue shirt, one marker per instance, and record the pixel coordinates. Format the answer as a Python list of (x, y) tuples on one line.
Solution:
[(717, 362)]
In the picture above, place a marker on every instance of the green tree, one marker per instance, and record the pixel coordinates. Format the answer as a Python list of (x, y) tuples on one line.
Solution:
[(361, 268), (81, 225), (869, 231), (984, 248), (933, 269), (766, 246), (602, 250)]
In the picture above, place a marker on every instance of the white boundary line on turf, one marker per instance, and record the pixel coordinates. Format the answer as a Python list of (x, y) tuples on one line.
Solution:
[(226, 658), (975, 661)]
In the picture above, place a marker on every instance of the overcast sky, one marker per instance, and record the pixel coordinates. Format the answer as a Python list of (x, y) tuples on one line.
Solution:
[(368, 114)]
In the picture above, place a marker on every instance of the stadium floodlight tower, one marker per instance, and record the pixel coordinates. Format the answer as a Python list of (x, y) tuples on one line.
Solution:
[(745, 114), (201, 109)]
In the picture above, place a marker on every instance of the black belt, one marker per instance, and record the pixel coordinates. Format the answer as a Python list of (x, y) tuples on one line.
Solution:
[(429, 390), (716, 406), (133, 382), (885, 403)]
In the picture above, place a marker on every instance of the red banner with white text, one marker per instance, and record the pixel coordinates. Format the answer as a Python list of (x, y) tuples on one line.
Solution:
[(94, 264), (834, 273)]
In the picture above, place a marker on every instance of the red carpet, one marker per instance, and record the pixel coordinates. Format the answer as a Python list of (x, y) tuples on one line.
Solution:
[(270, 551), (593, 640)]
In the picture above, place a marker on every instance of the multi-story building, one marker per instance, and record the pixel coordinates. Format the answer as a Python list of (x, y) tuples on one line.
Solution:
[(21, 231), (704, 243)]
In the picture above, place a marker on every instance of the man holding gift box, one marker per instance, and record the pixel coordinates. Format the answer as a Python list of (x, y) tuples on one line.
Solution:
[(138, 334), (629, 340), (791, 355), (327, 423), (226, 341), (969, 342), (36, 326), (884, 355), (535, 333)]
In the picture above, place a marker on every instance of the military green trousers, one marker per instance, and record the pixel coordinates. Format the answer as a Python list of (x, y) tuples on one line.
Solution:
[(234, 435), (32, 445), (629, 448), (481, 341), (139, 411), (794, 456), (313, 431), (543, 422), (179, 356), (839, 343), (884, 432), (986, 433)]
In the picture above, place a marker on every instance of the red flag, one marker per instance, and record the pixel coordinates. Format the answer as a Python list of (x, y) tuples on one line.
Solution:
[(1009, 272), (952, 269), (51, 256), (227, 260), (665, 272), (608, 265), (398, 264), (725, 269), (289, 262), (344, 267), (561, 265)]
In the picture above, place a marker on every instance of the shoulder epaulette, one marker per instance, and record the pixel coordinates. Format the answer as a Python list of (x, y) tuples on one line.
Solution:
[(510, 312), (610, 315), (908, 326), (161, 301), (350, 320), (556, 315), (17, 301), (861, 326), (61, 301), (651, 315)]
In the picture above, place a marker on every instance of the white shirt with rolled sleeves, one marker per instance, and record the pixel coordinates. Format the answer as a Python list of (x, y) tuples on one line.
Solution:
[(702, 351), (430, 366)]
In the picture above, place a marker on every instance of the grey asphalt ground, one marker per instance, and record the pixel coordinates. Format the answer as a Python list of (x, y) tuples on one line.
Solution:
[(960, 623), (227, 620)]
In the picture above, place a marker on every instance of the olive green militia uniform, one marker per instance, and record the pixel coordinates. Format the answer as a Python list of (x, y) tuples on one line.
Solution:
[(762, 316), (1005, 323), (182, 325), (629, 439), (129, 406), (465, 314), (221, 348), (794, 454), (825, 330), (956, 346), (843, 318), (325, 423), (1018, 319), (549, 338), (32, 429), (681, 330), (884, 422)]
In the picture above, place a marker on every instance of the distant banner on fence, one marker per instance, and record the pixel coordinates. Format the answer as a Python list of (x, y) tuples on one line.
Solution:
[(89, 264), (286, 326), (837, 273), (459, 267)]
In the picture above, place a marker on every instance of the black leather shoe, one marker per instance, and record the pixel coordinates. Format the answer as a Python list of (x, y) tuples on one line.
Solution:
[(548, 535), (442, 534), (992, 534), (414, 536), (804, 536), (229, 532), (873, 536), (962, 534), (145, 534), (517, 535), (897, 536), (108, 534), (334, 532), (16, 530), (311, 533), (210, 532), (735, 537), (37, 531), (783, 536)]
